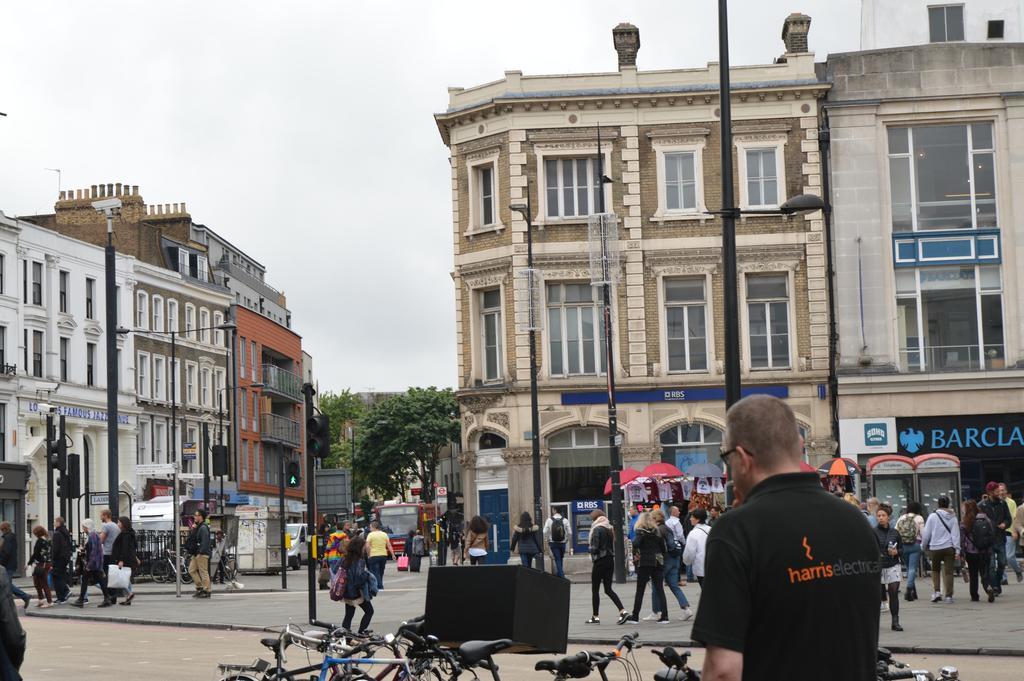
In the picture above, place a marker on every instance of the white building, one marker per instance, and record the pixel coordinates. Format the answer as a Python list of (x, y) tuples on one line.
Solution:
[(898, 23), (53, 352)]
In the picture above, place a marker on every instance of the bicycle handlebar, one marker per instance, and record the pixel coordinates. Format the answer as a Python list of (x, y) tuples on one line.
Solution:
[(901, 674), (580, 664)]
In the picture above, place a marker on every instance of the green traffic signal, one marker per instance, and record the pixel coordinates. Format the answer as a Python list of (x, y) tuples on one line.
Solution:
[(293, 477)]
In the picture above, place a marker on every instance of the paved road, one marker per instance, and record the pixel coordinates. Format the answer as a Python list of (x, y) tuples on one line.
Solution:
[(964, 627), (94, 651)]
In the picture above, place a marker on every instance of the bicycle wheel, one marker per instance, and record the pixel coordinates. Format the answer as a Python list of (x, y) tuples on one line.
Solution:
[(241, 676), (186, 578), (230, 569), (159, 570)]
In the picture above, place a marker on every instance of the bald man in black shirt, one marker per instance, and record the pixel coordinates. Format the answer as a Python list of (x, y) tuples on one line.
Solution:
[(792, 574)]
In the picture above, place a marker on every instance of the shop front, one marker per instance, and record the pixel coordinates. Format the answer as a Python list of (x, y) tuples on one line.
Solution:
[(13, 486)]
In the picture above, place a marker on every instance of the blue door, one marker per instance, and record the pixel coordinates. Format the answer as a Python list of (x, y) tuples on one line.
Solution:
[(494, 509)]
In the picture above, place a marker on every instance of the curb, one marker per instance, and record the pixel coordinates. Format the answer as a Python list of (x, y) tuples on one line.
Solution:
[(151, 622)]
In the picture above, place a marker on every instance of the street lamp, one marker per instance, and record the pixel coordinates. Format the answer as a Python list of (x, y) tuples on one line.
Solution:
[(111, 207), (531, 281)]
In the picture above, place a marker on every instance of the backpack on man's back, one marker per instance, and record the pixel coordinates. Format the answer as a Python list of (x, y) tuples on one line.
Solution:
[(558, 530), (983, 534)]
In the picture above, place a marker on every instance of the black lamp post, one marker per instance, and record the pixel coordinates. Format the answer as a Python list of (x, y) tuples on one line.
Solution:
[(111, 207)]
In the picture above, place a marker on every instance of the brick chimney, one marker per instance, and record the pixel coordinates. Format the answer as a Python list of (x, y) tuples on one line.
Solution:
[(627, 43), (794, 32)]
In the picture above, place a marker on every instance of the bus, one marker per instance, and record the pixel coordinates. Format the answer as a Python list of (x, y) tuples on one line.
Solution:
[(398, 519)]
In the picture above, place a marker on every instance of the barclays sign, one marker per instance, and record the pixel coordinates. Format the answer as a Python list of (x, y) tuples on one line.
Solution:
[(983, 436)]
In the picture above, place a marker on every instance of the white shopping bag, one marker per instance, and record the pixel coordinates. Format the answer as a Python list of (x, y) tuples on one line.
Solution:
[(118, 577)]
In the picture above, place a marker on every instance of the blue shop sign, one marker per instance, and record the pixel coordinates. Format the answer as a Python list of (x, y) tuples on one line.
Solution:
[(81, 413), (982, 436), (587, 505), (670, 395)]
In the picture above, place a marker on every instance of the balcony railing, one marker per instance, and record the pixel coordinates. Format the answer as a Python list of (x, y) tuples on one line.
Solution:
[(938, 358), (281, 429), (282, 382)]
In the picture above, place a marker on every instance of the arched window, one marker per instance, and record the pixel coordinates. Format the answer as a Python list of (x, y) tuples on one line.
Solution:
[(492, 441), (687, 444), (580, 463)]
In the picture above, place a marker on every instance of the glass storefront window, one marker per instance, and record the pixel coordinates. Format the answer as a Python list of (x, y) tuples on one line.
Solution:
[(580, 463), (688, 444)]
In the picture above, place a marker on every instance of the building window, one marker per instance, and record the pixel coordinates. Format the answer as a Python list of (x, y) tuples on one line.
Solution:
[(768, 320), (190, 321), (243, 405), (578, 463), (24, 347), (255, 411), (3, 274), (172, 316), (3, 347), (204, 325), (145, 453), (762, 177), (37, 283), (218, 334), (204, 387), (681, 181), (158, 313), (244, 456), (575, 331), (183, 262), (143, 374), (37, 354), (158, 379), (685, 324), (64, 283), (142, 310), (254, 359), (996, 29), (64, 347), (571, 187), (688, 444), (942, 177), (159, 442), (242, 345), (90, 295), (950, 318), (24, 281), (190, 383), (491, 333), (202, 269), (945, 23)]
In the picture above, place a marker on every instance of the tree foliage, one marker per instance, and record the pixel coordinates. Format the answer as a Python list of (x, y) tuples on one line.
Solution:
[(402, 437), (341, 408)]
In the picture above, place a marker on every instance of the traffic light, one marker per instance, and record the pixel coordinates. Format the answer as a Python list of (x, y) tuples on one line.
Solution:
[(293, 476), (62, 485), (220, 460), (52, 446), (62, 447), (73, 476), (318, 436)]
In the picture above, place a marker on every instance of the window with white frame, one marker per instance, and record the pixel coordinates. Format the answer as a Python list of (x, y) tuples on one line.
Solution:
[(218, 386), (483, 179), (159, 385), (490, 334), (145, 451), (158, 313), (65, 350), (571, 186), (202, 270), (575, 330), (204, 325), (172, 315), (37, 283), (159, 442), (242, 345), (183, 262), (945, 23), (255, 411), (204, 387), (142, 371), (190, 383), (686, 324), (768, 320), (243, 404), (254, 358), (218, 334), (64, 287), (142, 310), (190, 321), (762, 176), (90, 364), (90, 298), (191, 438), (681, 182)]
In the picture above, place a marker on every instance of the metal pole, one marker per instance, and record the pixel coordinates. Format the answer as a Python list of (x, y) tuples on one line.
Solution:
[(538, 506), (236, 446), (220, 441), (824, 146), (174, 461), (112, 370), (49, 472), (731, 304), (307, 390), (280, 512), (613, 419), (206, 466)]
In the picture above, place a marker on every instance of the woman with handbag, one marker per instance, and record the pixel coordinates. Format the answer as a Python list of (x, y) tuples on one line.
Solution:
[(360, 586), (124, 554), (41, 572)]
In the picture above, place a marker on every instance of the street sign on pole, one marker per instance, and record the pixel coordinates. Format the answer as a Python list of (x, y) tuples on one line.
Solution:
[(189, 450), (98, 499), (442, 492), (156, 469), (190, 476)]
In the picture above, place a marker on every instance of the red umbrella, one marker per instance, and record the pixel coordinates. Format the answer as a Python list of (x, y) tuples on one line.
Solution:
[(626, 475), (665, 469), (807, 468)]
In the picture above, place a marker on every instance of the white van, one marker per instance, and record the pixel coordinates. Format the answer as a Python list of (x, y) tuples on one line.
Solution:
[(298, 554), (154, 514)]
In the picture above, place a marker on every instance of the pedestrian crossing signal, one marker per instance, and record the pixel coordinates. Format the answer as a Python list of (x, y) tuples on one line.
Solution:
[(292, 477)]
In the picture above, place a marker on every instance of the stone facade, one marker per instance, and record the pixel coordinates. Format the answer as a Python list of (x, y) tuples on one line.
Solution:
[(515, 128)]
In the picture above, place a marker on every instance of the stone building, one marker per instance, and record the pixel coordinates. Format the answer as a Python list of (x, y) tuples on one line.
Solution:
[(926, 183), (536, 138)]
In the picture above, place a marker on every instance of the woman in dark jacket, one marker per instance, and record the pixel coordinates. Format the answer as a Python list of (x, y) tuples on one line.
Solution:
[(889, 558), (61, 555), (41, 572), (649, 555), (357, 591), (528, 538), (124, 553), (602, 555)]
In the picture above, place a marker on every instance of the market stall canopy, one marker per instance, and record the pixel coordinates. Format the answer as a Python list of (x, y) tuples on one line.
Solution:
[(665, 469), (705, 470), (839, 467), (807, 468), (626, 475)]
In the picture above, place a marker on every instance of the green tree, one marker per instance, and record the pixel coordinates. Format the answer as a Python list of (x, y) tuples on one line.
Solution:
[(402, 437), (341, 409)]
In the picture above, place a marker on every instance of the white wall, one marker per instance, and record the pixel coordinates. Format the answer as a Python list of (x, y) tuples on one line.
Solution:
[(896, 23)]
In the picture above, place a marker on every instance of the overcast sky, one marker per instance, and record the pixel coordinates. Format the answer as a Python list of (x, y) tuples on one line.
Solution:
[(303, 132)]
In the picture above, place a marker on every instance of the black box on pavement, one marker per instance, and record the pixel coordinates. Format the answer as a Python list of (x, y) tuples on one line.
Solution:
[(485, 602)]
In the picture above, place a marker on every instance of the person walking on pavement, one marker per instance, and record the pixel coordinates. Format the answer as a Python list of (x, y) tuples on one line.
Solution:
[(889, 558), (92, 565), (1011, 543), (108, 533), (378, 550), (998, 511), (909, 526), (528, 538), (1017, 528), (602, 557), (696, 544), (359, 586), (41, 558), (673, 560), (477, 541), (977, 536), (556, 529), (200, 546), (767, 585), (125, 553), (417, 551), (649, 556), (12, 636), (61, 554), (941, 538), (9, 560)]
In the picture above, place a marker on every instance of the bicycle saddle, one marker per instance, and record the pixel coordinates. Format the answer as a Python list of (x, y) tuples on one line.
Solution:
[(473, 652), (272, 643)]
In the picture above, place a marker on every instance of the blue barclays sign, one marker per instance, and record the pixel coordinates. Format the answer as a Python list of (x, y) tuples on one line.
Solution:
[(670, 395), (81, 413), (981, 436)]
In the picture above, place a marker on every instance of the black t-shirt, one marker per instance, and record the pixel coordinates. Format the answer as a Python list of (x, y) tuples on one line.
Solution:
[(792, 580)]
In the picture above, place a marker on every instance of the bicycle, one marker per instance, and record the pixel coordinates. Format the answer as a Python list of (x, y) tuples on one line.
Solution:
[(580, 665), (163, 569), (902, 671), (676, 668)]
